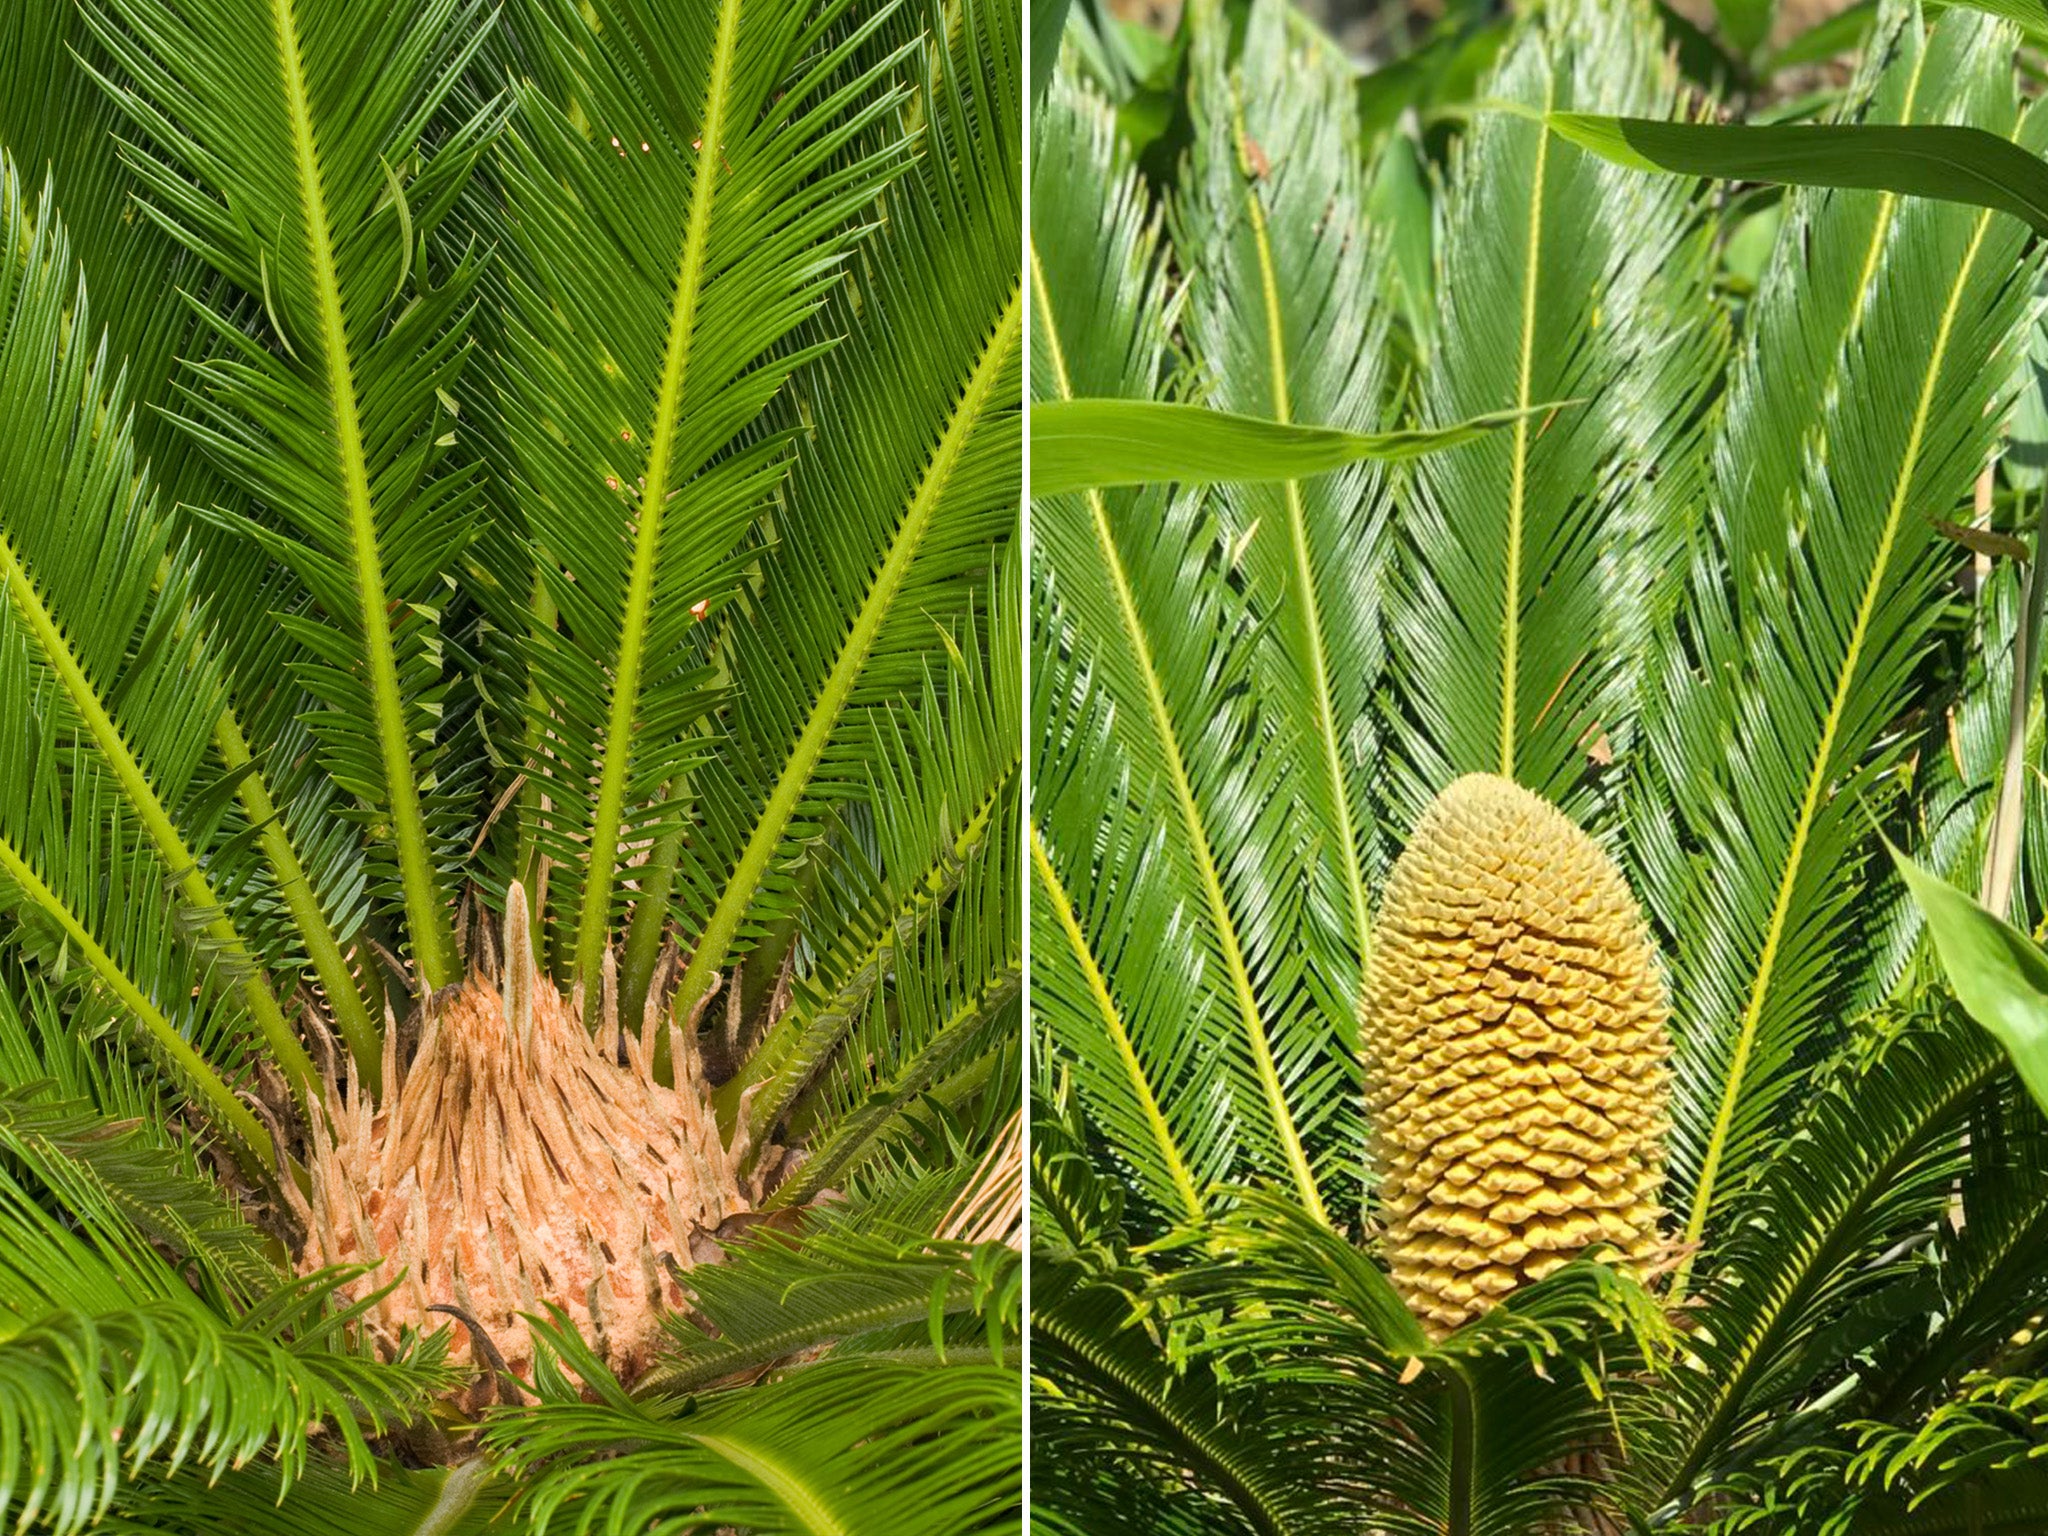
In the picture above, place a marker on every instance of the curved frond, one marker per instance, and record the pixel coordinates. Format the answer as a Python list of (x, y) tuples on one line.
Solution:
[(463, 1500), (295, 173), (98, 1379), (96, 597), (1532, 559), (1862, 408), (833, 1450), (1286, 321), (1143, 653), (901, 497), (920, 940), (781, 1302), (1869, 1162), (694, 211)]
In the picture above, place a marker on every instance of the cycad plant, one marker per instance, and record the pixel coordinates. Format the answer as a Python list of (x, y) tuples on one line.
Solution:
[(508, 823), (1380, 817)]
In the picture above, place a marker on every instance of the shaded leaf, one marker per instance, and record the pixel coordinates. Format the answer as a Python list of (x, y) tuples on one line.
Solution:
[(1079, 445), (1999, 974), (1939, 160)]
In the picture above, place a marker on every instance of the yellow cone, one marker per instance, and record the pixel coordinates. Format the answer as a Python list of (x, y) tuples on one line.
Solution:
[(1514, 1053)]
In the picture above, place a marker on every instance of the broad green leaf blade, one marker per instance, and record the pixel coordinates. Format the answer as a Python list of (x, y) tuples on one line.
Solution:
[(1079, 445), (1939, 160), (1746, 24), (1048, 21), (1825, 39), (2000, 975), (2030, 16)]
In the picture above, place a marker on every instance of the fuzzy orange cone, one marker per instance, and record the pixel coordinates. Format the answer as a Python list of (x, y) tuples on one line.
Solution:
[(521, 1162)]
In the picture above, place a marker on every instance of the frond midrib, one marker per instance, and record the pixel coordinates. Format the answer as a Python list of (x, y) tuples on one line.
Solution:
[(1307, 610), (1734, 1377), (1113, 1021), (1161, 716), (1240, 1483), (594, 919), (1887, 207), (458, 1492), (181, 863), (851, 1135), (766, 1350), (1518, 472), (973, 401), (798, 1038), (295, 886), (1820, 773), (432, 935), (804, 1503), (233, 1114)]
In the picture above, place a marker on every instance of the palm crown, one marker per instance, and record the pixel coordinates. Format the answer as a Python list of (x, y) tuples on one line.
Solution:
[(511, 671), (1703, 605)]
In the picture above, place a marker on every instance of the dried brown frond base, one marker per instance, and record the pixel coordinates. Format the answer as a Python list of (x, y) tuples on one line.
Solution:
[(517, 1164)]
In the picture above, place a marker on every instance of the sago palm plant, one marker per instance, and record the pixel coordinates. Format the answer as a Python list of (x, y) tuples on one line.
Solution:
[(508, 803), (1492, 1078)]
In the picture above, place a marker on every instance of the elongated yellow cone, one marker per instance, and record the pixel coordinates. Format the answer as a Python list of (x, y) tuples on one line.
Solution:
[(1514, 1053)]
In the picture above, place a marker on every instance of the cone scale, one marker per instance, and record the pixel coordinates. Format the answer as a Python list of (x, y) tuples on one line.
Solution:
[(1514, 1033)]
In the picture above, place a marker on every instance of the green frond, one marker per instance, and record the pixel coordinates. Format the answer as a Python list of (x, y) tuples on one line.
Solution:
[(95, 596), (463, 1500), (1143, 655), (1869, 1162), (919, 934), (833, 1450), (296, 175), (110, 1176), (1476, 1432), (1532, 560), (1285, 320), (901, 497), (94, 912), (1877, 1498), (1119, 1432), (1076, 1208), (722, 169), (1978, 1280), (1862, 407), (54, 119), (318, 629), (55, 126), (846, 1289), (99, 1379)]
